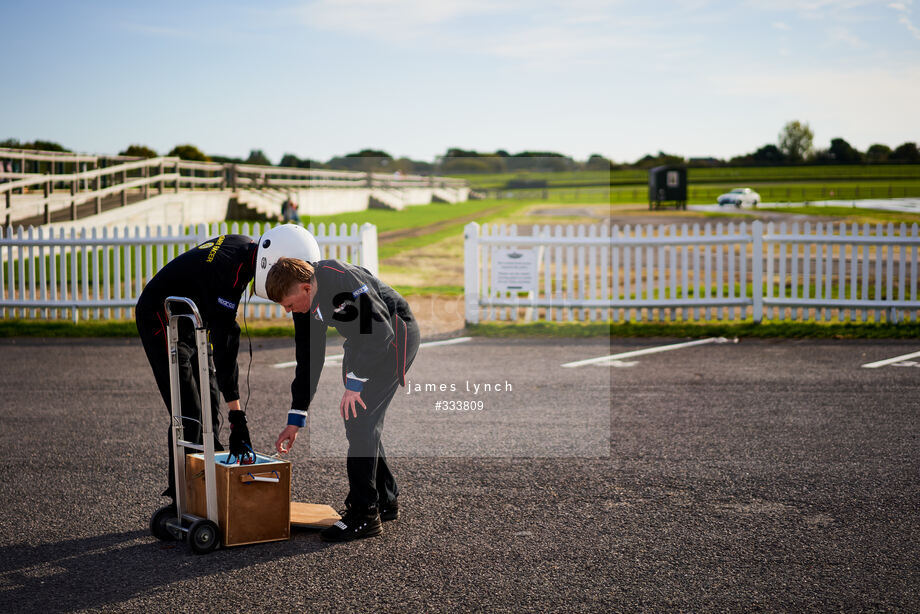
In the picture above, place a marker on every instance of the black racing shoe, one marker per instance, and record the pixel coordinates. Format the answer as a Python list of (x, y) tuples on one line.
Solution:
[(389, 511), (354, 524)]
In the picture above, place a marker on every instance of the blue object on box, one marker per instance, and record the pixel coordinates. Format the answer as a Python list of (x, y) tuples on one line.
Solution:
[(224, 459)]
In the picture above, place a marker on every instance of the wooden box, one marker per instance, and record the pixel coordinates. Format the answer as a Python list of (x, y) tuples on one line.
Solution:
[(249, 510)]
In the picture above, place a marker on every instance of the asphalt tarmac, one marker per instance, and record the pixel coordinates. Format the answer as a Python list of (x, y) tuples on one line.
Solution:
[(760, 475)]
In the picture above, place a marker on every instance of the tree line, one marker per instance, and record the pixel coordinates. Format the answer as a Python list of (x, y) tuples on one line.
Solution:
[(794, 146)]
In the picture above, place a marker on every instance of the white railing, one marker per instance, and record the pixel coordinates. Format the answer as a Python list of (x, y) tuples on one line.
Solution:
[(99, 275), (28, 194), (246, 175), (135, 177), (731, 272)]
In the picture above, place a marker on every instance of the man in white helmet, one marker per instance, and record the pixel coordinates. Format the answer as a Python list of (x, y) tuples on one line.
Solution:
[(381, 340), (287, 240), (291, 240)]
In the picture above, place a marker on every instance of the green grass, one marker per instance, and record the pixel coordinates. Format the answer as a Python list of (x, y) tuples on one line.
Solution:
[(728, 175), (390, 249), (113, 328), (787, 192), (837, 172), (430, 290), (499, 180), (410, 217), (43, 328), (854, 214), (698, 194), (794, 330)]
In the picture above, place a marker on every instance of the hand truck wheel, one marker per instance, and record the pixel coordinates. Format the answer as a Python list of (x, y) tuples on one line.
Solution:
[(203, 536), (158, 526)]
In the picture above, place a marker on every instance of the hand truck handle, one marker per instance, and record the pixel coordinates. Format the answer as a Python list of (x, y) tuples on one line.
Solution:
[(195, 315), (260, 477)]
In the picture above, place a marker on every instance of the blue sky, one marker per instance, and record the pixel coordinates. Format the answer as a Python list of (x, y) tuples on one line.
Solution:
[(413, 77)]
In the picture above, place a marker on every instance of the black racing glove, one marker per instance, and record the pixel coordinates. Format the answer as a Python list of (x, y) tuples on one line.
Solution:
[(240, 446)]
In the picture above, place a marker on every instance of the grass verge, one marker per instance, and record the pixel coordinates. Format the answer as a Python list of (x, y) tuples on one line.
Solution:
[(430, 290), (852, 214), (115, 328), (791, 330)]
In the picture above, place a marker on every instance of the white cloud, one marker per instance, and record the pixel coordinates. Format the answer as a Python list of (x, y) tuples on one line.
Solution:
[(843, 35), (779, 25), (904, 19), (394, 19), (910, 26), (540, 33)]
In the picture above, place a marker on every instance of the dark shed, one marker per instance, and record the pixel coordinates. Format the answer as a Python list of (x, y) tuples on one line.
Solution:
[(667, 185)]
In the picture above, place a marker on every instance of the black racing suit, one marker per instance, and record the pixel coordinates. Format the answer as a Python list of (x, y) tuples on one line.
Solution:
[(381, 340), (214, 276)]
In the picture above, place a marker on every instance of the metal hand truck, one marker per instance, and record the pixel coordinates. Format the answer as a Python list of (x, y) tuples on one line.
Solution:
[(174, 522)]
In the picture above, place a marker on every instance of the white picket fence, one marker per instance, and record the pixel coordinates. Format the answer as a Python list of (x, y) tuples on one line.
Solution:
[(99, 275), (731, 272)]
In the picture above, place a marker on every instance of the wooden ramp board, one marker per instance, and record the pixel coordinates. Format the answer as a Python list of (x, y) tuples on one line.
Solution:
[(313, 515)]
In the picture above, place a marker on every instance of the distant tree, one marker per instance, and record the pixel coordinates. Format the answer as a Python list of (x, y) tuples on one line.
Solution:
[(403, 165), (36, 145), (257, 157), (292, 161), (369, 153), (188, 152), (366, 160), (597, 162), (422, 168), (539, 161), (466, 165), (707, 162), (820, 156), (226, 159), (455, 152), (795, 140), (289, 160), (48, 146), (649, 161), (138, 151), (497, 162), (768, 154), (842, 152), (878, 153), (906, 152), (539, 154)]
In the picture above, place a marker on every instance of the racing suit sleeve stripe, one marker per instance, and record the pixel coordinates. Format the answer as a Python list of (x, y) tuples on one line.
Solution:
[(237, 279)]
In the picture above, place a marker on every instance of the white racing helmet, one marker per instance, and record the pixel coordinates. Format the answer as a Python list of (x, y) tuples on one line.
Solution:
[(285, 241)]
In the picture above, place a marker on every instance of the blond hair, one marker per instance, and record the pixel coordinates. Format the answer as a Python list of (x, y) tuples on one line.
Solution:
[(284, 274)]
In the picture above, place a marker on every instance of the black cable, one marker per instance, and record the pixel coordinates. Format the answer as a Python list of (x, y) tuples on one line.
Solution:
[(249, 368)]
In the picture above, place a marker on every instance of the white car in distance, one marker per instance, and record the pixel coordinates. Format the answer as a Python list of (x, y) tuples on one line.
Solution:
[(740, 197)]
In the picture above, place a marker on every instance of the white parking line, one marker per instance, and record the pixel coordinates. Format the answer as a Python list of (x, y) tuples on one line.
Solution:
[(664, 348), (889, 361), (338, 357)]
